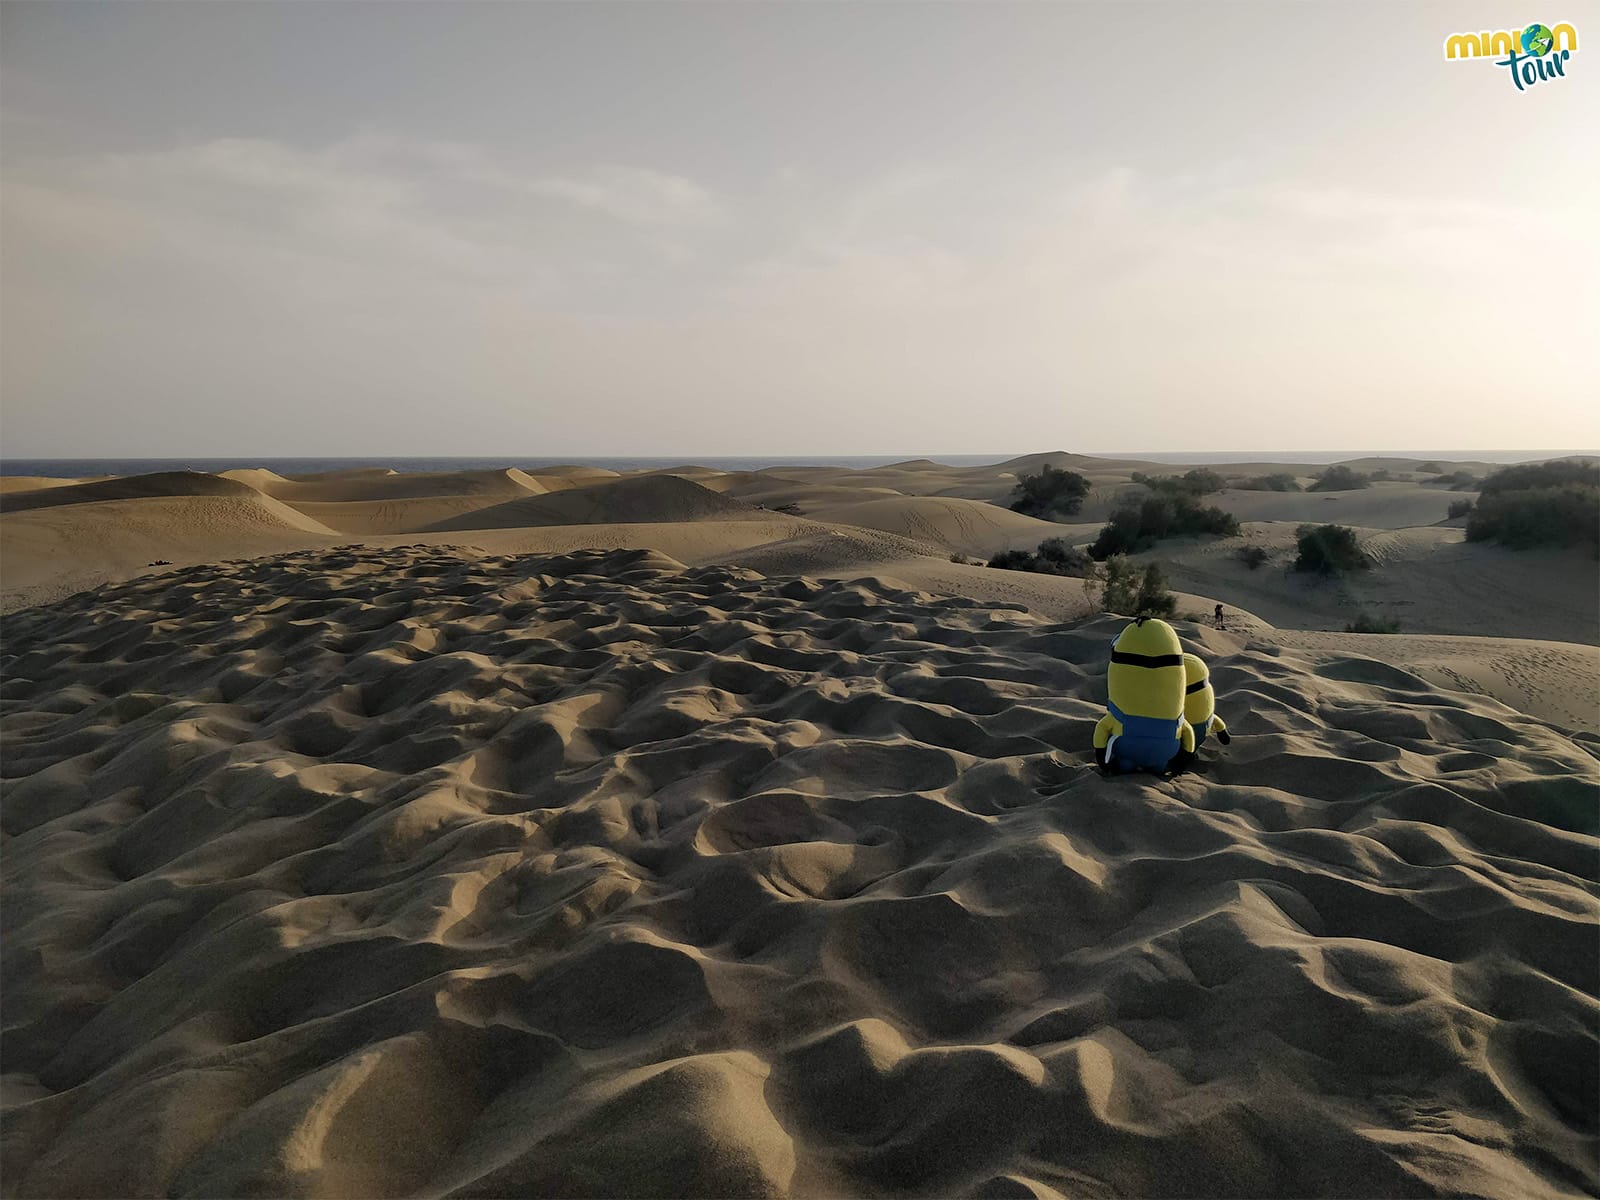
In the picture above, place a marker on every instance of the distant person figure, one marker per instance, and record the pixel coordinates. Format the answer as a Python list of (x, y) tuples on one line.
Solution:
[(1220, 624)]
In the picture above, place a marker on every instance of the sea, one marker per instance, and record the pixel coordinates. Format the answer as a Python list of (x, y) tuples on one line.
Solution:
[(77, 467)]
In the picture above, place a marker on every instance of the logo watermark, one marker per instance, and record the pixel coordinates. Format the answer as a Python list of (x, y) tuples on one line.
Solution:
[(1532, 55)]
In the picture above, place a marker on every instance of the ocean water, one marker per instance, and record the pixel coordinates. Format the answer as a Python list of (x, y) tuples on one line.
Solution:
[(76, 467)]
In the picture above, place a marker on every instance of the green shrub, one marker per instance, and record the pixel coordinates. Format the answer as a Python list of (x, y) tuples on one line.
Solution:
[(1281, 482), (1381, 475), (1060, 553), (1458, 481), (1202, 481), (1153, 599), (1534, 476), (1328, 550), (1340, 479), (1253, 557), (1134, 527), (1051, 494), (1459, 508), (1123, 588), (1369, 624), (1199, 482), (1118, 584), (1539, 504), (1012, 560), (1429, 468), (1053, 557)]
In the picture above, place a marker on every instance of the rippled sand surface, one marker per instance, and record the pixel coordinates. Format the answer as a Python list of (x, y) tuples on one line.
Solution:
[(386, 871)]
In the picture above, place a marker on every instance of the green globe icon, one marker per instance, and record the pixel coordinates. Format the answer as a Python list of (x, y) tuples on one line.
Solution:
[(1536, 39)]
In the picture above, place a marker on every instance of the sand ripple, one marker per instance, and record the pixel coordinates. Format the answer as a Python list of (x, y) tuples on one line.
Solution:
[(373, 872)]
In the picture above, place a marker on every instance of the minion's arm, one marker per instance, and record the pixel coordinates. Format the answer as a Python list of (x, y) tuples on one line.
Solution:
[(1108, 728), (1220, 728), (1185, 754)]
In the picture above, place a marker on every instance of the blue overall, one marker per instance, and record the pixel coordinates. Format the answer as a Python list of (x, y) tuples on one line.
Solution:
[(1201, 731), (1145, 743)]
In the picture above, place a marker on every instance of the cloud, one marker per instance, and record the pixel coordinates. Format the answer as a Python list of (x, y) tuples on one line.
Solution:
[(450, 209), (634, 195), (1110, 310)]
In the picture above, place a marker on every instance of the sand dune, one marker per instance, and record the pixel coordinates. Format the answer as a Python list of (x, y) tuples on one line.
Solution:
[(556, 478), (257, 477), (1558, 682), (699, 542), (1429, 579), (967, 526), (810, 548), (53, 550), (410, 515), (649, 498), (719, 481), (1381, 506), (347, 487), (29, 483), (771, 493), (131, 487), (405, 871)]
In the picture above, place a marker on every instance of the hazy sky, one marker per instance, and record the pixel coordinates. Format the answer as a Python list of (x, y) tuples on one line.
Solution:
[(280, 229)]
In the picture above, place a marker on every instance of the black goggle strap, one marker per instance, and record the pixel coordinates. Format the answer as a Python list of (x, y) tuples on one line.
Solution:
[(1123, 658)]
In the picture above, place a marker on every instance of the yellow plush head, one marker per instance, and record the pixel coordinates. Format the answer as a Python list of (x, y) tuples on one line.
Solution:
[(1145, 678), (1199, 700)]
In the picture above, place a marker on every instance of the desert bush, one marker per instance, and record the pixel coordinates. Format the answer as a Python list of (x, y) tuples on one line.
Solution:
[(1280, 482), (1012, 560), (1459, 508), (1429, 468), (1051, 494), (1122, 587), (1252, 556), (1381, 475), (1117, 584), (1370, 624), (1533, 476), (1153, 599), (1199, 482), (1135, 526), (1328, 550), (791, 510), (1053, 557), (1457, 481), (1059, 552), (1339, 479), (1540, 504)]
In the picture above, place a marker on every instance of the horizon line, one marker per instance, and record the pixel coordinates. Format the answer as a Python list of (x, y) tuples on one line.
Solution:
[(688, 456)]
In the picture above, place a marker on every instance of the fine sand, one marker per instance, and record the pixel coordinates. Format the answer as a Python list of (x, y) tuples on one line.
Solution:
[(415, 871), (693, 833)]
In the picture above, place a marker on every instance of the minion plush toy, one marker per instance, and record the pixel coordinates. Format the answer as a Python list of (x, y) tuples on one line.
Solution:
[(1200, 702), (1144, 728)]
